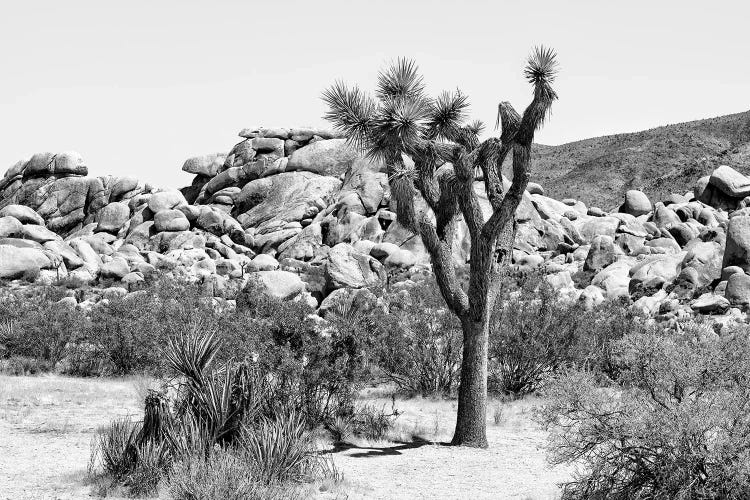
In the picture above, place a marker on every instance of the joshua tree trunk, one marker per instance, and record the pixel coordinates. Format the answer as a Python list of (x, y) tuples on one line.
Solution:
[(471, 428)]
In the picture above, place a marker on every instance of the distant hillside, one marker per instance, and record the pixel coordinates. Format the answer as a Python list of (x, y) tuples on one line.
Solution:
[(659, 161)]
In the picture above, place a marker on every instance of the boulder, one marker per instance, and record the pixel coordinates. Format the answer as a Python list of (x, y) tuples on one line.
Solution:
[(401, 258), (274, 201), (706, 258), (170, 220), (264, 262), (47, 164), (40, 234), (305, 245), (123, 188), (10, 226), (203, 268), (113, 217), (664, 217), (331, 157), (737, 249), (273, 132), (206, 165), (23, 214), (86, 252), (664, 267), (636, 203), (730, 182), (166, 200), (63, 202), (383, 250), (534, 188), (591, 296), (283, 285), (358, 299), (602, 253), (590, 227), (17, 262), (614, 279), (348, 268), (549, 208), (710, 303), (117, 268), (738, 290), (233, 176), (367, 179)]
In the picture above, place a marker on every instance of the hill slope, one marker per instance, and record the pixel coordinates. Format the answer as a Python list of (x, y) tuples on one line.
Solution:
[(658, 161)]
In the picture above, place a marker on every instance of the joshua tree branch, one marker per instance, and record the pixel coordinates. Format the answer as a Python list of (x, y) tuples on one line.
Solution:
[(441, 255)]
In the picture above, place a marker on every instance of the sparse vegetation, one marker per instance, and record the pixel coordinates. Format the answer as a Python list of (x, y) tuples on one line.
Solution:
[(418, 342), (534, 334), (233, 409), (676, 424)]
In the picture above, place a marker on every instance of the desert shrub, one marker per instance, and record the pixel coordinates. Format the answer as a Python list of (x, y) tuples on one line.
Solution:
[(367, 421), (676, 424), (530, 332), (206, 409), (23, 365), (34, 325), (417, 344), (129, 332), (226, 474), (597, 332), (314, 371), (533, 333), (372, 422)]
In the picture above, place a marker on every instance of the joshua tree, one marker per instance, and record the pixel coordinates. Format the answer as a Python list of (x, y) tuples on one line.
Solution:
[(445, 153)]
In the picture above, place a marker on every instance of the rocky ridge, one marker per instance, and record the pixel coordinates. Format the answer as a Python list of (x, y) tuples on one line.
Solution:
[(301, 214)]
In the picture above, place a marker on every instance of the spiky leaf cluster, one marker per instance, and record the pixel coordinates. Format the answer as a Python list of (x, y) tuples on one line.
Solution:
[(401, 117)]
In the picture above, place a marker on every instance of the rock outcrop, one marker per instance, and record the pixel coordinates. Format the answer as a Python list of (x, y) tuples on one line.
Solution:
[(302, 215)]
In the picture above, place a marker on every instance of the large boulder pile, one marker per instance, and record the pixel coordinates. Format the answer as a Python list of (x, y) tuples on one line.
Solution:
[(305, 217)]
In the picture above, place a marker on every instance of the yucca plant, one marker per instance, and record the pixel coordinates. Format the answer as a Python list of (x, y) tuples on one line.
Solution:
[(280, 449), (115, 448), (401, 120)]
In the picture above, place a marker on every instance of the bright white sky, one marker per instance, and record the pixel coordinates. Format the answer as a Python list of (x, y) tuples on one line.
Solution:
[(138, 86)]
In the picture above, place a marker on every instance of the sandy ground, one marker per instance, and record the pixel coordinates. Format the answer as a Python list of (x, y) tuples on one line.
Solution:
[(47, 422), (46, 425), (514, 466)]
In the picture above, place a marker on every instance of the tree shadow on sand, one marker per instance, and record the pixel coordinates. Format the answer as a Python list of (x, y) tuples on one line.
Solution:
[(371, 451)]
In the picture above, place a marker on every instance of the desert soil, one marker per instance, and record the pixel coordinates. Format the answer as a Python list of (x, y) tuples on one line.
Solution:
[(47, 422)]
